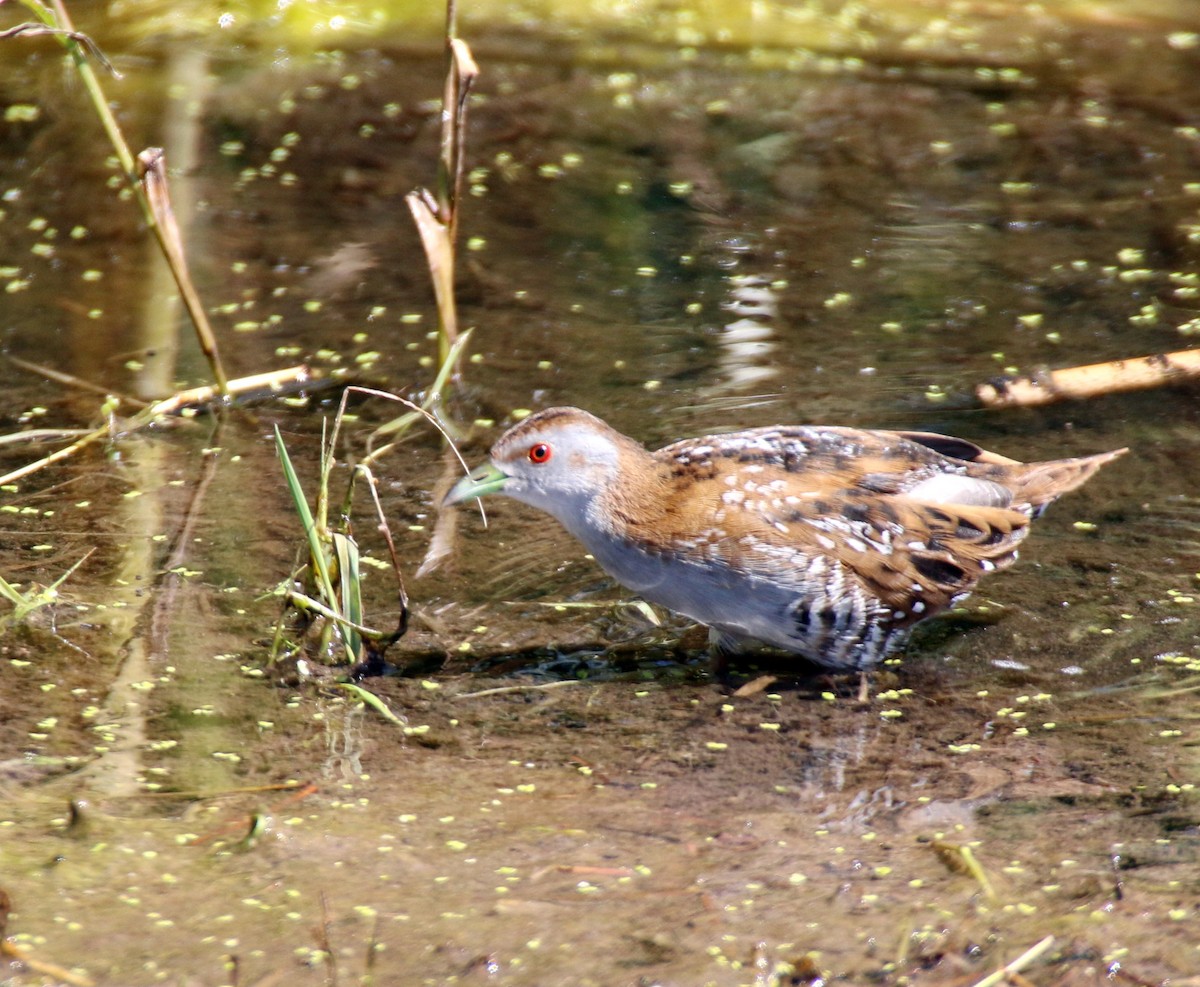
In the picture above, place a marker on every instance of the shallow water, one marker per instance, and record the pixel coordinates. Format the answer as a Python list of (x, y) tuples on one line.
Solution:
[(834, 213)]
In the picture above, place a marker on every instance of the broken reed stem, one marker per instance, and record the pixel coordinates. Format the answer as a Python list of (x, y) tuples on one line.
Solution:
[(439, 256), (460, 77), (152, 175), (441, 542), (437, 217), (273, 382), (64, 453), (1077, 383), (167, 236)]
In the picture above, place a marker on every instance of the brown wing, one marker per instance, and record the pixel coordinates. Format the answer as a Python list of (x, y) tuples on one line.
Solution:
[(783, 504), (915, 558), (906, 552), (824, 456), (913, 518)]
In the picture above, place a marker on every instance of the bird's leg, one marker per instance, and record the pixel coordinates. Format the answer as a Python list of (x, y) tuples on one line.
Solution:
[(864, 685), (721, 647)]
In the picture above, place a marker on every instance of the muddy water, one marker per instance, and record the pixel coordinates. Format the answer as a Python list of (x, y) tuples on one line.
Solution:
[(839, 215)]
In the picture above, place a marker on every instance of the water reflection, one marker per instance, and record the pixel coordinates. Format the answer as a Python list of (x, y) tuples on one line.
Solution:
[(747, 343), (345, 740)]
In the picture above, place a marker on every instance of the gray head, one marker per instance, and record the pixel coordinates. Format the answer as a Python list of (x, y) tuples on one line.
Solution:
[(557, 460)]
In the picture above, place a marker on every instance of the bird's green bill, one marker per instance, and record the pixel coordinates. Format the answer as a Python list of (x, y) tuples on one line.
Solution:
[(482, 480)]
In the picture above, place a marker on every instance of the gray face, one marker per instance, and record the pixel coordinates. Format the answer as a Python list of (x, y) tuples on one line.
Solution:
[(557, 462), (558, 469)]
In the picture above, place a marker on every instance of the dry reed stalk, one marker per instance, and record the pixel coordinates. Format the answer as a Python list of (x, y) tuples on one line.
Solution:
[(1093, 380)]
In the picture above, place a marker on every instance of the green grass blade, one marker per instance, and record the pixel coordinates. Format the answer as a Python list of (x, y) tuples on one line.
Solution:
[(11, 593), (351, 586), (371, 700), (398, 426), (316, 549)]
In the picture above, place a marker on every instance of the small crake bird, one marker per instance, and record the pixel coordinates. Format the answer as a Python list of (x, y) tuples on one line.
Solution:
[(830, 543)]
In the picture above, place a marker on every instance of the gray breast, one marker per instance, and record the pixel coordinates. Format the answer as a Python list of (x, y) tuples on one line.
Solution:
[(819, 611)]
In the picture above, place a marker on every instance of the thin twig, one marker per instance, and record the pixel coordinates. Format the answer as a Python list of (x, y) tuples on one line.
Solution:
[(386, 531), (29, 29), (424, 413), (535, 687), (1020, 963), (31, 436), (323, 944), (70, 380), (52, 970)]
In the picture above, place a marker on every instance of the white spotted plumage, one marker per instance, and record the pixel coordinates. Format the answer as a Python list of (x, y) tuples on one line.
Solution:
[(826, 542)]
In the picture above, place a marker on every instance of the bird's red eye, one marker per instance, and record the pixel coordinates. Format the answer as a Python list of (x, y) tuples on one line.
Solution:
[(539, 453)]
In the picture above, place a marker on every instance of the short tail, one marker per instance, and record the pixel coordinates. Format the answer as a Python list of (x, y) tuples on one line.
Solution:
[(1040, 484)]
